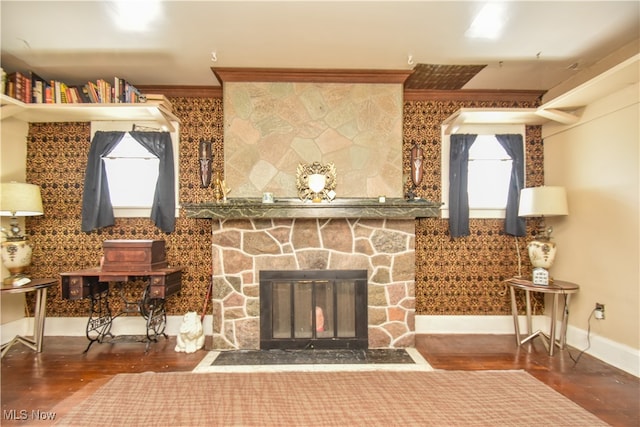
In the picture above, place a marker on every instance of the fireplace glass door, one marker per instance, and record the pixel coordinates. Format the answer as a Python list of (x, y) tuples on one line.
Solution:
[(313, 309)]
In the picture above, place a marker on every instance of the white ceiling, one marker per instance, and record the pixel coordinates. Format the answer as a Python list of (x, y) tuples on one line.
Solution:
[(542, 45)]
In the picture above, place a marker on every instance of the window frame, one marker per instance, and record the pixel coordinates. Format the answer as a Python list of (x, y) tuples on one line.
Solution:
[(127, 126), (479, 129)]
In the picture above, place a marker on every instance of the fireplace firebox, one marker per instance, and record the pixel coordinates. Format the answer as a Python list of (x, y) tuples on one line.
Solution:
[(321, 309)]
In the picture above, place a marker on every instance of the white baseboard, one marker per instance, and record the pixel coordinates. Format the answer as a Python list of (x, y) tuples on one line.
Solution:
[(474, 324), (76, 326), (615, 354)]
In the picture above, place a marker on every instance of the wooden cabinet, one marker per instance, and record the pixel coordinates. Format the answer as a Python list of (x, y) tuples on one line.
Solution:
[(134, 255)]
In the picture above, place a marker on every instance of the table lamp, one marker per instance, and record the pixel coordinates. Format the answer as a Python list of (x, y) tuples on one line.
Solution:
[(18, 199), (542, 202)]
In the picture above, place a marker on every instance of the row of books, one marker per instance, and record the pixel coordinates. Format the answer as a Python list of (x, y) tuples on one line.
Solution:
[(32, 89)]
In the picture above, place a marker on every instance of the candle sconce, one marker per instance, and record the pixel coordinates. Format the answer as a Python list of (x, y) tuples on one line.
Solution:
[(206, 163), (416, 170)]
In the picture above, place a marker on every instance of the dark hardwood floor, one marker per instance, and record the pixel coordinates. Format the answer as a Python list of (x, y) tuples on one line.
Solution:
[(54, 380)]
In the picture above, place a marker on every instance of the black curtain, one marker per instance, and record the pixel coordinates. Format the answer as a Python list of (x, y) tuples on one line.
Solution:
[(458, 178), (97, 211), (512, 144)]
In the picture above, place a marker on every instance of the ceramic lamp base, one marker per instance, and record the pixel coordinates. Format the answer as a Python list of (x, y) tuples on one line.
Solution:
[(16, 257), (542, 253)]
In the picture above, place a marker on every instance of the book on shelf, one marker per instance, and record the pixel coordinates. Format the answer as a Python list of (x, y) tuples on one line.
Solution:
[(38, 88), (18, 86), (131, 93), (84, 94), (31, 88)]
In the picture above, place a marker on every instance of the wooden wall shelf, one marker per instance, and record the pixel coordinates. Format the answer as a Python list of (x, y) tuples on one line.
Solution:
[(38, 113)]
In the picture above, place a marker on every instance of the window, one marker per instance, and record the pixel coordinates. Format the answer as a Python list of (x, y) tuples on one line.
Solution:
[(489, 170), (132, 172)]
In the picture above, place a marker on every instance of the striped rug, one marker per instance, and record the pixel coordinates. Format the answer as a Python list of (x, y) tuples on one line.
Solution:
[(383, 398)]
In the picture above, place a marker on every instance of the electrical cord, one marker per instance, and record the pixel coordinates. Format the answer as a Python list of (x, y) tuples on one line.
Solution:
[(519, 258), (575, 361)]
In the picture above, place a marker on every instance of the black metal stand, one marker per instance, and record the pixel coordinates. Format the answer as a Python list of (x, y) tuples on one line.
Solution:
[(101, 319)]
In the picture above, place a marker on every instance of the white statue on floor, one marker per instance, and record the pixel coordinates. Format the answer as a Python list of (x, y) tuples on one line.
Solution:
[(191, 335)]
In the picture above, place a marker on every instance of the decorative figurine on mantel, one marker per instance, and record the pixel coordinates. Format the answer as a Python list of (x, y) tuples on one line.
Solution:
[(416, 170), (220, 189), (316, 182)]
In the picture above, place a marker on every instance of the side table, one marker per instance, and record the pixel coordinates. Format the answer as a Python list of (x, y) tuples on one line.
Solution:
[(39, 286), (556, 288)]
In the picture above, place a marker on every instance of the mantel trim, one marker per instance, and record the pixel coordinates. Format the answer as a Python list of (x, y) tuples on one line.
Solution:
[(395, 208)]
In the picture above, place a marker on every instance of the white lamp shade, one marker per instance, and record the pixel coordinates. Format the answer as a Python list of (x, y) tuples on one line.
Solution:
[(20, 199), (543, 201)]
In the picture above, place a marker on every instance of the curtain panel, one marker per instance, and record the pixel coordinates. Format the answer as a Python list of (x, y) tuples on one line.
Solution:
[(97, 211), (458, 179), (513, 145)]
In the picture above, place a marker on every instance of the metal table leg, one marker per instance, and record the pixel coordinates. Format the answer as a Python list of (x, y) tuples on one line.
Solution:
[(514, 313), (39, 316)]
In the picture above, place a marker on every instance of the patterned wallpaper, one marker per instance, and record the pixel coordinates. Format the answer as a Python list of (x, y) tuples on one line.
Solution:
[(453, 276)]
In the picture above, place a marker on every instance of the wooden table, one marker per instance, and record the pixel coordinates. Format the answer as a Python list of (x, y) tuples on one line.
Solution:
[(556, 288), (94, 284), (39, 286)]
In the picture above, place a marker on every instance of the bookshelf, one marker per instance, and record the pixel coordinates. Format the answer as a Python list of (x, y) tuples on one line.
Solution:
[(87, 112)]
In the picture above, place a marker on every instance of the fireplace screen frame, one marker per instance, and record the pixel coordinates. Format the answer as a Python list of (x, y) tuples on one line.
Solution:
[(315, 281)]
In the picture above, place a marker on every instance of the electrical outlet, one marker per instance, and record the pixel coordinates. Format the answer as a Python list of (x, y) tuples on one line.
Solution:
[(599, 311)]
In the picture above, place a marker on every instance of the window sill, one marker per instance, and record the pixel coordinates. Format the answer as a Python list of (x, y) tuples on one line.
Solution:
[(479, 213), (137, 212)]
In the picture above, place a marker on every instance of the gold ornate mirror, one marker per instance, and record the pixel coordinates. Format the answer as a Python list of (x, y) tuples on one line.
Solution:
[(316, 182)]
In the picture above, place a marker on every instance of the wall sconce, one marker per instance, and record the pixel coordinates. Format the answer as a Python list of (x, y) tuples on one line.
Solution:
[(416, 170), (18, 199), (206, 163), (542, 202)]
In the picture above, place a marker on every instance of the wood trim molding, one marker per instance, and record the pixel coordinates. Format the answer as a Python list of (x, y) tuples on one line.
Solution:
[(532, 96), (301, 75), (183, 91)]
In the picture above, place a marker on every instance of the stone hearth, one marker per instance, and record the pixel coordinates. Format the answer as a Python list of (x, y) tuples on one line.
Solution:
[(244, 247)]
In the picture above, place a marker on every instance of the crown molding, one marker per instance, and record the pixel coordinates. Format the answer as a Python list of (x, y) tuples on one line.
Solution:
[(183, 91), (302, 75), (531, 96)]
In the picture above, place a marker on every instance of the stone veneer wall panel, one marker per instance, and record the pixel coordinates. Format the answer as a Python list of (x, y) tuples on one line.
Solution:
[(270, 128)]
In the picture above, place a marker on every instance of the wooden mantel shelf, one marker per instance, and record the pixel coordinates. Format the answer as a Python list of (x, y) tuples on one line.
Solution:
[(394, 208)]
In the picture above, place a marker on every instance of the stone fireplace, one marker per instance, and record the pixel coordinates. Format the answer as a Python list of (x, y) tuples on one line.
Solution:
[(242, 248), (272, 124)]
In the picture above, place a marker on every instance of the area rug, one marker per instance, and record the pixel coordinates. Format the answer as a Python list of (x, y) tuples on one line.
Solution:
[(439, 398), (408, 359)]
